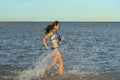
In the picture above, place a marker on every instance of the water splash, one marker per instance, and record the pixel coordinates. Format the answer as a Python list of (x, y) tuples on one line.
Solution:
[(36, 69)]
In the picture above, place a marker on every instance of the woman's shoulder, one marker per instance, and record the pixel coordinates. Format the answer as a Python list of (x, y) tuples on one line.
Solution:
[(50, 33), (54, 30)]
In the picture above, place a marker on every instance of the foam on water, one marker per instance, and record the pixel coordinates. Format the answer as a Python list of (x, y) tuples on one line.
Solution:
[(36, 68), (46, 58), (43, 61)]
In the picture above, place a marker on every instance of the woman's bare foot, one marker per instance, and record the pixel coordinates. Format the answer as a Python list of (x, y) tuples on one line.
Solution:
[(61, 75)]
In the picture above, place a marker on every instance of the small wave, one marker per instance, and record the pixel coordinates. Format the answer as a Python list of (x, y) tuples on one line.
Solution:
[(72, 76)]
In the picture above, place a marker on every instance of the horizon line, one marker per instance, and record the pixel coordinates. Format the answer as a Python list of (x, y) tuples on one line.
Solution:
[(60, 21)]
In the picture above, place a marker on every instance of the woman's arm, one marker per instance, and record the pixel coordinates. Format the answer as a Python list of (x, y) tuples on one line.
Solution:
[(62, 38), (45, 40)]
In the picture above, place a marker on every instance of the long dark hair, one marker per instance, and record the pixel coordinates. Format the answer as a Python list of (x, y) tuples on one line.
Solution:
[(50, 27)]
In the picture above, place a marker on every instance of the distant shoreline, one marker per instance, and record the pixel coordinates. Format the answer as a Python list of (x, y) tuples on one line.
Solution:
[(62, 21)]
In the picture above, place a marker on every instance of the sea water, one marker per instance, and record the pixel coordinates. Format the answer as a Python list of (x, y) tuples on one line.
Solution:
[(90, 50)]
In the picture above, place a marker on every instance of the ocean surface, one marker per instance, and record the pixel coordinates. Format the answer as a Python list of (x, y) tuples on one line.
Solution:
[(91, 50)]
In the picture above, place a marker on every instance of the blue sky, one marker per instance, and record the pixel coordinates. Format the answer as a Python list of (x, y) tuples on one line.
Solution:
[(62, 10)]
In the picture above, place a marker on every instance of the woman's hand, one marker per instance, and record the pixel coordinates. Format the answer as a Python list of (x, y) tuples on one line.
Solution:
[(63, 38), (48, 47)]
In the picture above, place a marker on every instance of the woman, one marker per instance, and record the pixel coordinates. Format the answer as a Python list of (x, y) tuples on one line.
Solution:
[(51, 32)]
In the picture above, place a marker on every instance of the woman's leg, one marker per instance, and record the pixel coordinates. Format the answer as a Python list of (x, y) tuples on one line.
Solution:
[(50, 65), (61, 67), (61, 61)]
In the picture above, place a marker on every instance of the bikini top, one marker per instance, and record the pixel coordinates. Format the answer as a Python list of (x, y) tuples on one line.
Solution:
[(56, 37)]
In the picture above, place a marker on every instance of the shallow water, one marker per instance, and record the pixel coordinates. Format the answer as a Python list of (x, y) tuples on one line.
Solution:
[(89, 49)]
